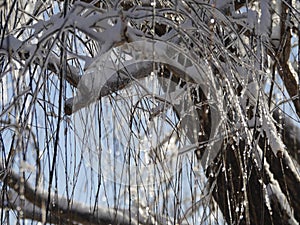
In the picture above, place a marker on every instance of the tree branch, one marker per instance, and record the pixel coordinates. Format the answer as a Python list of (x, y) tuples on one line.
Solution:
[(18, 50), (27, 210), (284, 50), (61, 208)]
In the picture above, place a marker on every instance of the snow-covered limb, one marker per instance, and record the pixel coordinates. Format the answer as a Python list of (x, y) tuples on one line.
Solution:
[(61, 208), (251, 93), (26, 209), (291, 134), (268, 126), (19, 50), (274, 191), (115, 83)]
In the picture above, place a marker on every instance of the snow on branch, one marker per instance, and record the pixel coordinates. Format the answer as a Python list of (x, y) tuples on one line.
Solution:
[(27, 210), (117, 82), (36, 200), (18, 50), (274, 191)]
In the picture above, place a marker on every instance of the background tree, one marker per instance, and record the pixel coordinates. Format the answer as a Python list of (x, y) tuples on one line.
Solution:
[(154, 142)]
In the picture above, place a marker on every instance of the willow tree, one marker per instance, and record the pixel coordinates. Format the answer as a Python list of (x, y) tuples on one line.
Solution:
[(150, 112)]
